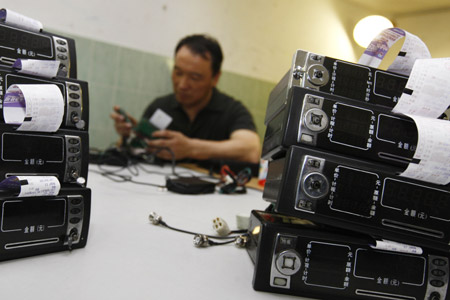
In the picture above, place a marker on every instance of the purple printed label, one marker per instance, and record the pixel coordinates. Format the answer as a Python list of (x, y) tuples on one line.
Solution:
[(17, 64), (381, 44), (14, 99)]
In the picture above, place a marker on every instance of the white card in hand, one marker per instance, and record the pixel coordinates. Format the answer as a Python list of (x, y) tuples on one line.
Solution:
[(160, 119)]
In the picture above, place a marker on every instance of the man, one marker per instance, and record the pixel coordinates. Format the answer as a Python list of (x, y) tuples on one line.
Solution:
[(207, 124)]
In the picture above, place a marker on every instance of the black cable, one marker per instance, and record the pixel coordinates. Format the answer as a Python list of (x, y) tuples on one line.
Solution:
[(126, 162), (172, 155), (127, 167), (195, 233), (201, 240), (213, 243), (125, 178), (142, 168), (239, 231)]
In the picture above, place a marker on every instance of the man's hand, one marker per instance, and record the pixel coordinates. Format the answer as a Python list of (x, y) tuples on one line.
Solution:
[(178, 143), (122, 125), (243, 145)]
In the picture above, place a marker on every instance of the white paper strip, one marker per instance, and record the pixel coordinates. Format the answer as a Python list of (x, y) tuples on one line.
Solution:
[(15, 19), (39, 186), (35, 107), (397, 247), (433, 151), (413, 48), (427, 92), (37, 67)]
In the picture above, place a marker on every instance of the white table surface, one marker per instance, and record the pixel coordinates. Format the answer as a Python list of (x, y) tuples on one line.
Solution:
[(128, 258)]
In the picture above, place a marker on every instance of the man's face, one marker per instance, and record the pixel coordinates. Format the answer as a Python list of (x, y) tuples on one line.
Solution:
[(192, 78)]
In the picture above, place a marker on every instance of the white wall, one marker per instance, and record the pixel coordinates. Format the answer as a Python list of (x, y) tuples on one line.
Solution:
[(258, 37), (433, 28)]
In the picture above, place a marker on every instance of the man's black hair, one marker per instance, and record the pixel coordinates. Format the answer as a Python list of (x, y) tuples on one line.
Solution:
[(202, 45)]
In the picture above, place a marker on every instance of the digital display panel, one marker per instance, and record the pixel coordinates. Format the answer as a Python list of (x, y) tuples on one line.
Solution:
[(21, 147), (354, 191), (351, 80), (390, 268), (351, 126), (12, 39), (327, 265), (389, 85), (418, 201), (36, 214), (396, 130)]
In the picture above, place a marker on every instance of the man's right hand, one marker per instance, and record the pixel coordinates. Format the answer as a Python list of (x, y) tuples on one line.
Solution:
[(122, 123)]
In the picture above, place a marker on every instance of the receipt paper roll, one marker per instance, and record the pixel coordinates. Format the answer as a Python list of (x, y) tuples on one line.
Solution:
[(15, 19), (35, 107)]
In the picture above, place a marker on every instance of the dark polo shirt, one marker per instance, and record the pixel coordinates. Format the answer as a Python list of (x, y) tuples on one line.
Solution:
[(216, 121)]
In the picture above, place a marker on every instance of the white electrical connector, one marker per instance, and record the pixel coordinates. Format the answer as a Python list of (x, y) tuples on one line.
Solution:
[(221, 227), (228, 180), (242, 221)]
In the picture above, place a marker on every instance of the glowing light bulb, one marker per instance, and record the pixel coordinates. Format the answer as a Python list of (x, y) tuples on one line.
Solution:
[(368, 28)]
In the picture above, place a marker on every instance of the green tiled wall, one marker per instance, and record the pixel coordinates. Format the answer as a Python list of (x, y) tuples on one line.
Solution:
[(132, 78)]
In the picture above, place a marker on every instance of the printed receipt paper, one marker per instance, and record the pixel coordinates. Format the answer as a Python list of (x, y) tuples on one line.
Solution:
[(425, 98)]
